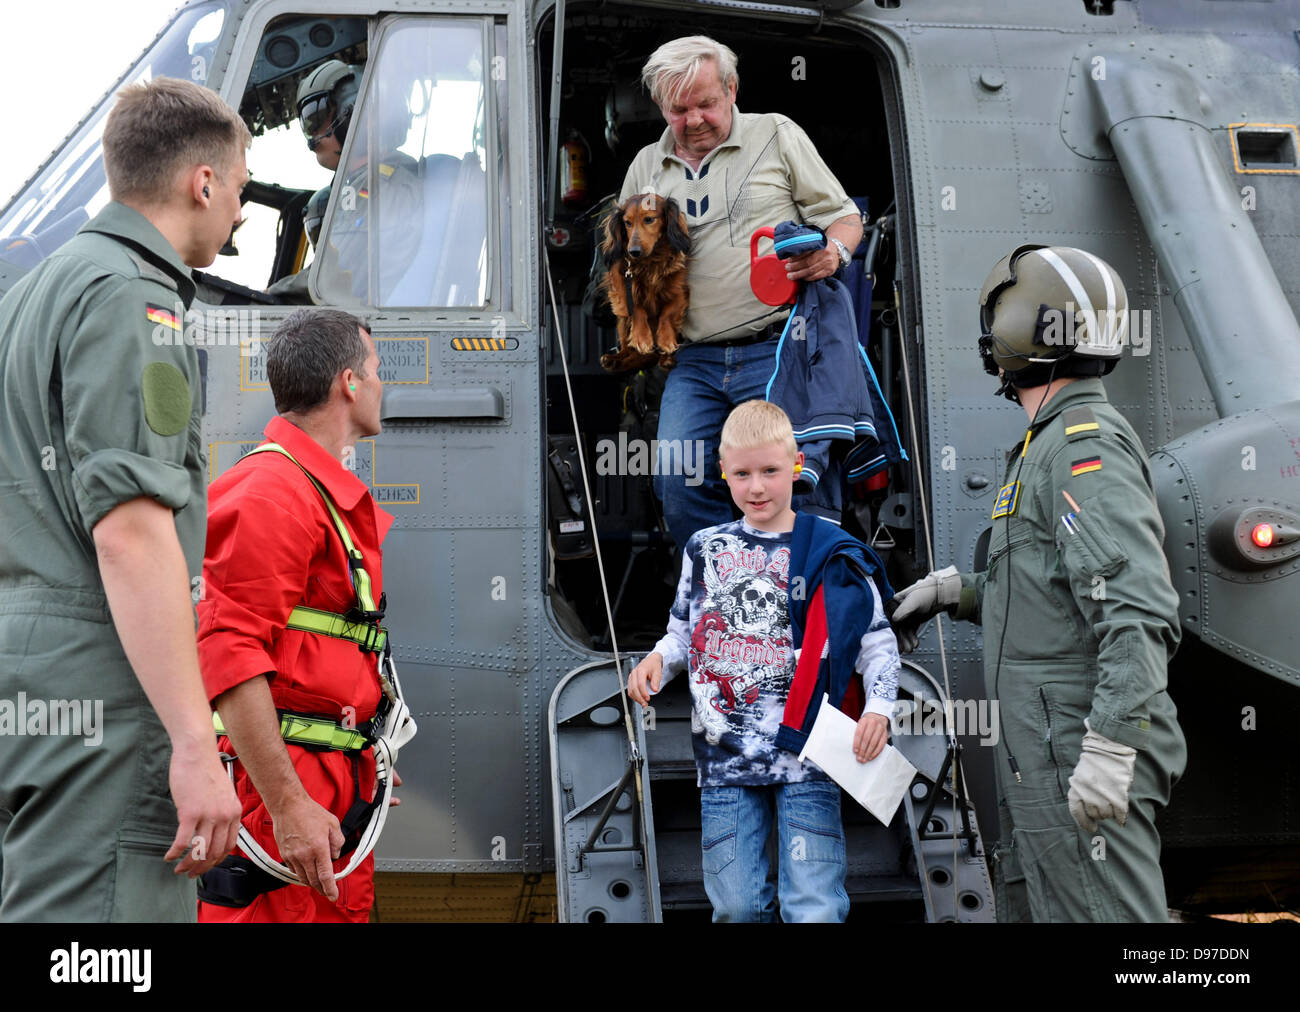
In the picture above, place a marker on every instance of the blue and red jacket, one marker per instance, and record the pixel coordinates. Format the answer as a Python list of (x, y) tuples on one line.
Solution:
[(833, 606)]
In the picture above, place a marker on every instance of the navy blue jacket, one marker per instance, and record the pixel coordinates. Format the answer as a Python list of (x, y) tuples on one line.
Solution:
[(825, 383), (829, 571)]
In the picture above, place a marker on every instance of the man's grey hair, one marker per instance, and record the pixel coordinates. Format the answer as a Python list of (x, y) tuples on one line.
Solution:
[(673, 67)]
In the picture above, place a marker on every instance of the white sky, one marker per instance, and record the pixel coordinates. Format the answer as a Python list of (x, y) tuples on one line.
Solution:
[(47, 87), (71, 51), (79, 48)]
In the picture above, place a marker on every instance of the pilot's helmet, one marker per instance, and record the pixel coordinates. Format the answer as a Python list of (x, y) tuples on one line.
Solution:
[(1052, 311), (313, 213), (327, 95)]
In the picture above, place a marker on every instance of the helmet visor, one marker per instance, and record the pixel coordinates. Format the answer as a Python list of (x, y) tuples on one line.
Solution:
[(311, 221), (1001, 277), (316, 113)]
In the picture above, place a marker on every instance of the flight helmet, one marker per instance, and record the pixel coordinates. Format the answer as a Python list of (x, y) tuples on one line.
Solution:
[(327, 95), (1051, 311)]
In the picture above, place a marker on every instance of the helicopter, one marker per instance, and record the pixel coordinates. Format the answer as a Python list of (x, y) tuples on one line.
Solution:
[(525, 580)]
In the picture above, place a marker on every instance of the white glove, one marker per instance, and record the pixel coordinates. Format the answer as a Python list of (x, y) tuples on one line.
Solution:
[(917, 604), (1100, 782)]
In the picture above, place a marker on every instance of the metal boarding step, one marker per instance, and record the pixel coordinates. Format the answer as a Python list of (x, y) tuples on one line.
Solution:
[(605, 864), (602, 874), (954, 877)]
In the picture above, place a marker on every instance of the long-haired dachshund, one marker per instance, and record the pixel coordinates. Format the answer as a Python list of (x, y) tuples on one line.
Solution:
[(646, 246)]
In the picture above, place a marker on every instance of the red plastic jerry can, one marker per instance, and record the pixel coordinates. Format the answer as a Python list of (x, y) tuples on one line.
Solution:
[(767, 277)]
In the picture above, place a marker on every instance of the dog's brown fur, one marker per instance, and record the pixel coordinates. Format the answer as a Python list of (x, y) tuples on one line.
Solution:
[(655, 280)]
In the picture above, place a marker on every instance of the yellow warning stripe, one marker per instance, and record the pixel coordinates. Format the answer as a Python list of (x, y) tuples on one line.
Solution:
[(480, 344)]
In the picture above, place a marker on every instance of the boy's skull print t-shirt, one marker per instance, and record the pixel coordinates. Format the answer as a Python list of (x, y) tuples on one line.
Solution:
[(732, 608)]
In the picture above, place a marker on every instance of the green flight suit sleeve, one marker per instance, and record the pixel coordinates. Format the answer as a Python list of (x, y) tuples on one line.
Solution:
[(1112, 555), (292, 288), (971, 605), (127, 398)]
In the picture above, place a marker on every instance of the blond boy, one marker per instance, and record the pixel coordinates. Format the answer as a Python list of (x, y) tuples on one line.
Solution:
[(753, 593)]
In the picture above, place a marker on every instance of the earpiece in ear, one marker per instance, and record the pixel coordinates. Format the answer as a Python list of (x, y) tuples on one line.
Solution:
[(352, 386), (724, 475), (206, 193), (798, 468)]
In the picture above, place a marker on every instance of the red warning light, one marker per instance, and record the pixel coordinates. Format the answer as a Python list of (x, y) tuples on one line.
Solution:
[(1262, 535)]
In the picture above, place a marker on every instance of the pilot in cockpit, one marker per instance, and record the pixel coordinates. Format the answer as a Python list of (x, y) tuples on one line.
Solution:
[(392, 193)]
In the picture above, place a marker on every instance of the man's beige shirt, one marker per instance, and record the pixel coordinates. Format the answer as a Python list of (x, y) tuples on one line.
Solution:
[(766, 172)]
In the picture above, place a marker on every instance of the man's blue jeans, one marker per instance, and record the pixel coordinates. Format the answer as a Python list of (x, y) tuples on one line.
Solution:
[(735, 823), (707, 382)]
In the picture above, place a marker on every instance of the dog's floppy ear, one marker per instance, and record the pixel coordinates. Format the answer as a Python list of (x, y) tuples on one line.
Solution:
[(615, 245), (678, 238)]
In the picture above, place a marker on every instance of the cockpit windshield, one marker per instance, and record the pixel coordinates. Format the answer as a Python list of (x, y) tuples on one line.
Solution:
[(71, 189)]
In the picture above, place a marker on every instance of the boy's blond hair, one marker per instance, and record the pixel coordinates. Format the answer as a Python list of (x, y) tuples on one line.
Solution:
[(757, 423)]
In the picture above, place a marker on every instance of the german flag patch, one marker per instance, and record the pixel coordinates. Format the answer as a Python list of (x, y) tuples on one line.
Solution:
[(1085, 465), (158, 314)]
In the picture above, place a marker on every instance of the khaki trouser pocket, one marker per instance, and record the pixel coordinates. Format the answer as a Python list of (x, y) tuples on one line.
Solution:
[(145, 887)]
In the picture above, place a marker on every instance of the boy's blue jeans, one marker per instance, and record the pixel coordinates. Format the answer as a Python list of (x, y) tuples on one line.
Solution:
[(735, 823)]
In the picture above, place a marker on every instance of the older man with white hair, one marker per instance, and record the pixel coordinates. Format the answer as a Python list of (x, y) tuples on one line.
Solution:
[(731, 173)]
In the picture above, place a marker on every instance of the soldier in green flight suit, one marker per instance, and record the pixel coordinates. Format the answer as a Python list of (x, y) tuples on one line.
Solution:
[(108, 761), (1079, 615)]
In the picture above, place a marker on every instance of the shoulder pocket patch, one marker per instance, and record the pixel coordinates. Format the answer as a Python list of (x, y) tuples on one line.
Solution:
[(166, 398), (1080, 423), (1095, 551)]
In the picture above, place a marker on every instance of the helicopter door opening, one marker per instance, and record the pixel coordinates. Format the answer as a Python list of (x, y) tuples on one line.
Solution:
[(605, 118)]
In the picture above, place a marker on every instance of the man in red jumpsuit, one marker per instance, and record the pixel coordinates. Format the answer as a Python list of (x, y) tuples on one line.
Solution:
[(273, 547)]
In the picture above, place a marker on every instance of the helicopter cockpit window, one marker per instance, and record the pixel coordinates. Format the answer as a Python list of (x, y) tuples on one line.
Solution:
[(71, 189), (408, 225)]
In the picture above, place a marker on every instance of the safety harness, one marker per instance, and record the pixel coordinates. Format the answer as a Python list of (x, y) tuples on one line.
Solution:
[(239, 880)]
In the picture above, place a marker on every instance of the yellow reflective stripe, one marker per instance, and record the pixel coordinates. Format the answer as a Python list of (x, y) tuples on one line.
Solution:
[(327, 623), (362, 586), (303, 731), (321, 733), (314, 731)]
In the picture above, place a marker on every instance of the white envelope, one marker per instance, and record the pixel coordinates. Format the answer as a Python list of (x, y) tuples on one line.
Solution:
[(878, 785)]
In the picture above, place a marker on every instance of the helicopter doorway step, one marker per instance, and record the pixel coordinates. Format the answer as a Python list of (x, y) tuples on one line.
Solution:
[(605, 863), (954, 877)]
